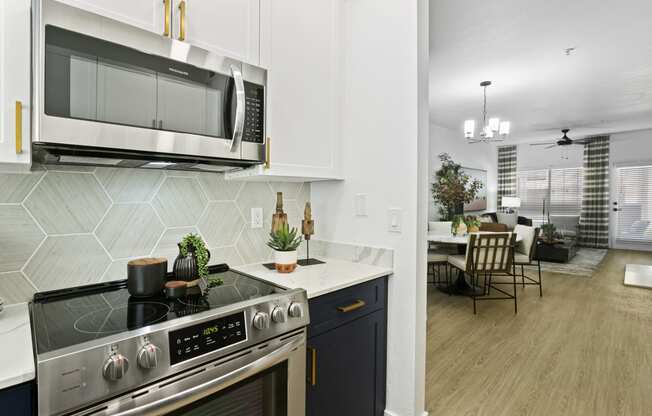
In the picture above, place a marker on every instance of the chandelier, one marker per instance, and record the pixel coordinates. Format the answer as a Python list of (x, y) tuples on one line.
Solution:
[(493, 130)]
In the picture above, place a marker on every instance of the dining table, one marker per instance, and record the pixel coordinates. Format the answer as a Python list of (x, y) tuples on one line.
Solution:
[(460, 286)]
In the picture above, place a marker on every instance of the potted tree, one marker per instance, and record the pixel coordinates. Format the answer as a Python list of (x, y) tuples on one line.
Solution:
[(452, 188), (285, 242)]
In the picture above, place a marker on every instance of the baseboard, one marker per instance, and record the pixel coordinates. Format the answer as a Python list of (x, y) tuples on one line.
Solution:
[(390, 413)]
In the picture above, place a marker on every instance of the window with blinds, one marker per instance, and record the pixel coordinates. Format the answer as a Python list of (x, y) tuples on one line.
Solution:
[(556, 192), (533, 188), (566, 191), (634, 190)]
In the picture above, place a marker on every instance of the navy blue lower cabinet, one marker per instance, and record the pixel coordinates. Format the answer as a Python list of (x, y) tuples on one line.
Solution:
[(17, 400), (346, 356)]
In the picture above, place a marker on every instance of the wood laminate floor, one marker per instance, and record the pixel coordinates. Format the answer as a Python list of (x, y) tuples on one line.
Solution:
[(585, 348)]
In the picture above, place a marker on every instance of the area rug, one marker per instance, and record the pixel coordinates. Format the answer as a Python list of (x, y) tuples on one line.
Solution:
[(584, 264)]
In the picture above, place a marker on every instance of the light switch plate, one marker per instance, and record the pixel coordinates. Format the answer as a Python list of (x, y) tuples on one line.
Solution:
[(256, 218), (361, 205), (395, 220)]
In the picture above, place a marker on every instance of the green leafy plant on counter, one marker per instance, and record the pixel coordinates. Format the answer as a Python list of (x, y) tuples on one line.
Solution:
[(285, 239), (194, 243), (472, 221)]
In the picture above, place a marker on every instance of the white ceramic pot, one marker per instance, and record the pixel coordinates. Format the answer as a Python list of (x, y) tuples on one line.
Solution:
[(286, 261)]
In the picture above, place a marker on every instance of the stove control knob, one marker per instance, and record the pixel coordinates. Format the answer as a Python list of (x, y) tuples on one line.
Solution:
[(295, 310), (148, 356), (261, 320), (278, 315), (115, 366)]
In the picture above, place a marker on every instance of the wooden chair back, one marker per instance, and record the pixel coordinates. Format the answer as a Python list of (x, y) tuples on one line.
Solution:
[(493, 227), (490, 252)]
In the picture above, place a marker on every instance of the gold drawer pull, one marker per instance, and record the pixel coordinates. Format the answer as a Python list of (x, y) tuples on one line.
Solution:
[(19, 127), (313, 366), (352, 307)]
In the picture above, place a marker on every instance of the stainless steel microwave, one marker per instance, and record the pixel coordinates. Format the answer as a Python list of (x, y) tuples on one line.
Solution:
[(107, 93)]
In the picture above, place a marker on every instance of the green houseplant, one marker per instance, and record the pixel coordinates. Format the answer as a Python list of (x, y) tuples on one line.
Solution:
[(452, 188), (192, 261), (548, 230), (472, 223), (285, 242)]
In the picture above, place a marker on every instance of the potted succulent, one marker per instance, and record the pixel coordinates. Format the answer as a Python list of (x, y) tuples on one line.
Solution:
[(285, 242), (472, 223)]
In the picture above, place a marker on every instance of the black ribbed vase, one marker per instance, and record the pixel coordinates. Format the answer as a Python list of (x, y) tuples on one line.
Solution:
[(185, 267)]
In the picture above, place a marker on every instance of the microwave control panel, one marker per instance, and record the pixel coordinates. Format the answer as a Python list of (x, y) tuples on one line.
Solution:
[(254, 125), (200, 339)]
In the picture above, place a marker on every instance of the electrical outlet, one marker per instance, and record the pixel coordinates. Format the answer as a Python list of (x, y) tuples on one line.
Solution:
[(256, 218), (394, 220)]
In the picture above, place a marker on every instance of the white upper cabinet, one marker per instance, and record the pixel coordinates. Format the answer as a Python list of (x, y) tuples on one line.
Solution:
[(227, 27), (15, 85), (145, 14), (299, 46)]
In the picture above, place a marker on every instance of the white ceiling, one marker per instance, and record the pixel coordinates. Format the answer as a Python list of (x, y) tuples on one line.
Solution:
[(604, 86)]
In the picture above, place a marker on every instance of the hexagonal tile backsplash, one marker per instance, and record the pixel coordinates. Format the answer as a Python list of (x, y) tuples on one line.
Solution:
[(67, 227)]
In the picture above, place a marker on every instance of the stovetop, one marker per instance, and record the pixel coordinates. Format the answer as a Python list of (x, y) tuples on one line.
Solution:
[(64, 318)]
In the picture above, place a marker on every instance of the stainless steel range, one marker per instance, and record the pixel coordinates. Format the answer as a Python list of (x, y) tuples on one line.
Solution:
[(237, 350)]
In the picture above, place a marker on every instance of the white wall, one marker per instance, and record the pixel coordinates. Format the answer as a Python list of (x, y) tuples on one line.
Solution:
[(380, 113), (477, 155)]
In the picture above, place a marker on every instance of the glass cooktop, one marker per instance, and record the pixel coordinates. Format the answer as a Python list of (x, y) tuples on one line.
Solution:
[(72, 316)]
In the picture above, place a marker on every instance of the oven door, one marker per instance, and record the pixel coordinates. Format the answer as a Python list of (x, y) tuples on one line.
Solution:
[(266, 380)]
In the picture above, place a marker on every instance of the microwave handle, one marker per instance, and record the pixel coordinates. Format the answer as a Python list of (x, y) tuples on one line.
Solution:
[(238, 125)]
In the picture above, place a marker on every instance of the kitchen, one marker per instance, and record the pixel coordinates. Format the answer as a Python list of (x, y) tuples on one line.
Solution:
[(113, 148)]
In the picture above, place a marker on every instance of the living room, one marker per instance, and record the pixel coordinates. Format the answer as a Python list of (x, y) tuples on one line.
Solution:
[(541, 129)]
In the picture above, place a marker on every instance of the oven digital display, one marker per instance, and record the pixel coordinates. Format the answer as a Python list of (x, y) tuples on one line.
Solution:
[(200, 339)]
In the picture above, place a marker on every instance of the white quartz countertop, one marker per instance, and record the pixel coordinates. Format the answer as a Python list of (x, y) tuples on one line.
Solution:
[(319, 279), (17, 359)]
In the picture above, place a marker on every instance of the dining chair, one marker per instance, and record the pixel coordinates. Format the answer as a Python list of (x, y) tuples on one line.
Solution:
[(524, 255), (493, 227), (488, 255), (438, 254)]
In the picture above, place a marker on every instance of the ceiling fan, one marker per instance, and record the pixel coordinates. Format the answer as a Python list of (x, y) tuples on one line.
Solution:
[(564, 141)]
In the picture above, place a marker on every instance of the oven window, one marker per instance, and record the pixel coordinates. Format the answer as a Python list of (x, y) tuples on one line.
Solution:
[(92, 79), (264, 394)]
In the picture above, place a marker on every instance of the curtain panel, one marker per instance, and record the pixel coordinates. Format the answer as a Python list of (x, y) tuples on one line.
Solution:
[(594, 217), (506, 172)]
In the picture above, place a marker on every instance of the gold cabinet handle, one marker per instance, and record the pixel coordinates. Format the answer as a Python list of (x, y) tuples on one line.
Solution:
[(182, 20), (352, 307), (268, 151), (19, 127), (168, 12), (313, 366)]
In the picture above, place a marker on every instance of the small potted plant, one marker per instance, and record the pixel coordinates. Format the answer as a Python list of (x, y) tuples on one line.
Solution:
[(192, 261), (285, 242), (472, 223), (548, 230), (459, 226)]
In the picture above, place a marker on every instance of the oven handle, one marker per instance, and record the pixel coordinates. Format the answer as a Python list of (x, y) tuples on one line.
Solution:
[(238, 125), (216, 384)]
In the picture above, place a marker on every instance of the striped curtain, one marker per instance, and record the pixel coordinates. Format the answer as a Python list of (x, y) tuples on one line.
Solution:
[(594, 217), (506, 172)]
